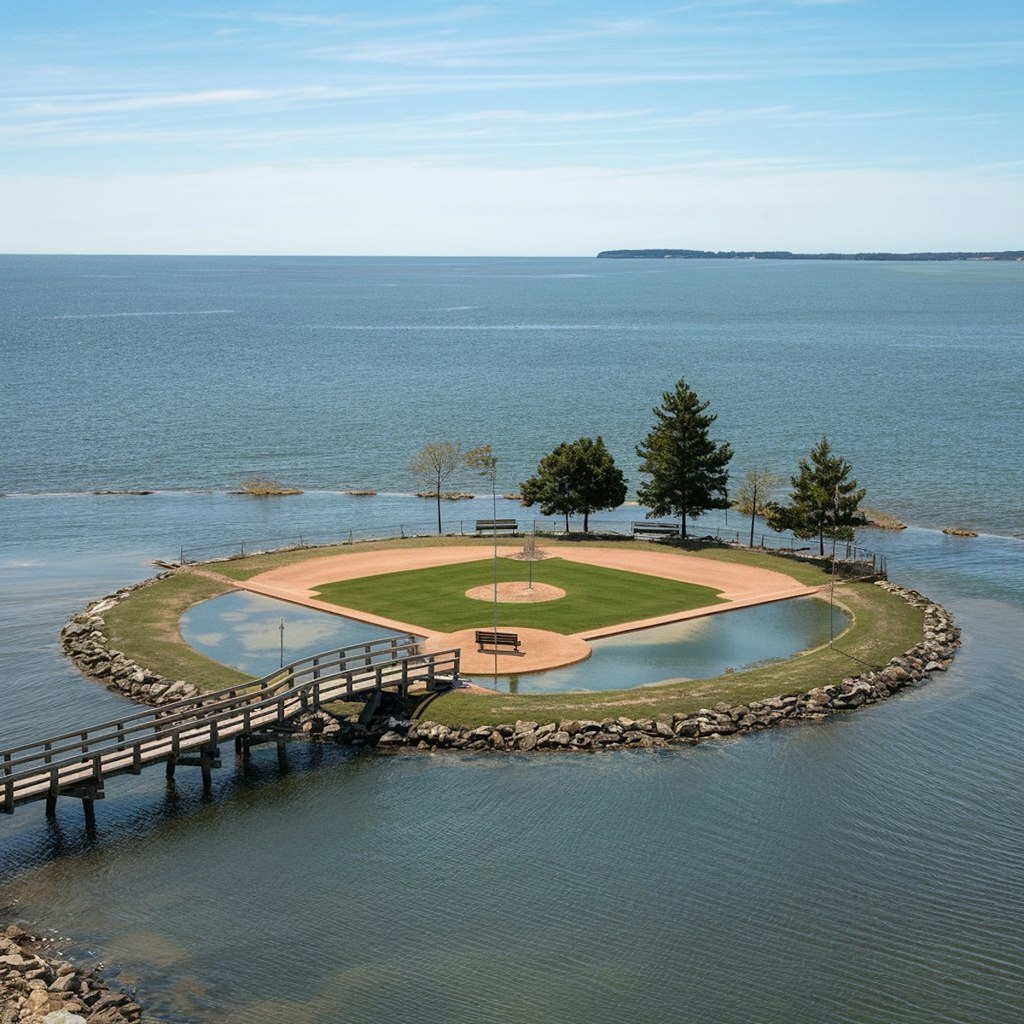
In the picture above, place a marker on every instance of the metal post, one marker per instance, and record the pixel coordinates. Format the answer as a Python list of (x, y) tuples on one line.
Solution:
[(282, 644)]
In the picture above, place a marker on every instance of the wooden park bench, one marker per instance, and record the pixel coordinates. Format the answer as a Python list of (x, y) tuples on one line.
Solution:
[(496, 639), (497, 526), (649, 529)]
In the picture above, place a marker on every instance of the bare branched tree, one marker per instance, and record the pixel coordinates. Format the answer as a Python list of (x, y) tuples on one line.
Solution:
[(433, 464), (754, 497)]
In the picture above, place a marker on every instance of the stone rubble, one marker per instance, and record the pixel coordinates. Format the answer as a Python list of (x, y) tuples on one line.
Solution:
[(38, 988), (84, 641)]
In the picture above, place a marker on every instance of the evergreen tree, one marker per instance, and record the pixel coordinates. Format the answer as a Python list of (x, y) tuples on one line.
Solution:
[(687, 468), (824, 502), (578, 477), (755, 495)]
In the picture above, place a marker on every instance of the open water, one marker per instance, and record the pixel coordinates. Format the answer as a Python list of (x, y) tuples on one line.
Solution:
[(868, 869)]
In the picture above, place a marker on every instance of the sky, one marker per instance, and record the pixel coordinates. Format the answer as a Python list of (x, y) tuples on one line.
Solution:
[(510, 128)]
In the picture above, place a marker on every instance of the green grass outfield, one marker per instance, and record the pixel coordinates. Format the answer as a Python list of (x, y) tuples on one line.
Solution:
[(594, 596)]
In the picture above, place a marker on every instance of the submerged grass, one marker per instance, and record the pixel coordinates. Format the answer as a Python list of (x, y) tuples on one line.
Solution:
[(882, 626)]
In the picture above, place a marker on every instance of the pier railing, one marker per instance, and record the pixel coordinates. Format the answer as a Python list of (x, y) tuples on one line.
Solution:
[(77, 763)]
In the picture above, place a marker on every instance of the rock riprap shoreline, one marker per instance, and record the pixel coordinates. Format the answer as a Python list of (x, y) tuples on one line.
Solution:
[(37, 987), (933, 654), (84, 641)]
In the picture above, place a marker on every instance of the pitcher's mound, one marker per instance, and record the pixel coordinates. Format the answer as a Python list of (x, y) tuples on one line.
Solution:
[(516, 593)]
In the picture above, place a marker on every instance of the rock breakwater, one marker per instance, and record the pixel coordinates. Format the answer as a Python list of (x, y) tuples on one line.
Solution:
[(933, 654), (36, 987), (84, 640)]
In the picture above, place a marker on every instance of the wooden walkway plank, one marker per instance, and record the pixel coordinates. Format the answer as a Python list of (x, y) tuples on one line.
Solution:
[(77, 763)]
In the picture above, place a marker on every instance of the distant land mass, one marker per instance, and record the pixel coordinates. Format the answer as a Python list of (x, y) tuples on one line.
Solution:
[(705, 254)]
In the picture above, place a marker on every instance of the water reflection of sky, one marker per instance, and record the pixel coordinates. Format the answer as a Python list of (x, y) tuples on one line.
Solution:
[(244, 630), (695, 649)]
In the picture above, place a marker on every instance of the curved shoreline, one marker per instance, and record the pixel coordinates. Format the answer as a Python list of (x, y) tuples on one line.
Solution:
[(83, 639), (933, 653)]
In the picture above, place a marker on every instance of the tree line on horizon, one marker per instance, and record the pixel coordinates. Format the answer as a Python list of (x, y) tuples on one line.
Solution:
[(686, 472)]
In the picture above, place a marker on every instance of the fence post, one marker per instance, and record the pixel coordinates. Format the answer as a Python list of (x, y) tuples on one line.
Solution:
[(181, 555), (241, 548)]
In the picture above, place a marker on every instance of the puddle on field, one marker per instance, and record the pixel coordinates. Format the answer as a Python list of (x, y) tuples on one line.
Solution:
[(244, 630), (695, 649)]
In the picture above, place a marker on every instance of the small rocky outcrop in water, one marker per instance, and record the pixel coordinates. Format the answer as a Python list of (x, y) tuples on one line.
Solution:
[(881, 520), (38, 988), (84, 641), (959, 531)]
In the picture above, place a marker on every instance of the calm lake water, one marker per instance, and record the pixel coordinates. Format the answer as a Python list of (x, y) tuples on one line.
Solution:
[(867, 869), (330, 373)]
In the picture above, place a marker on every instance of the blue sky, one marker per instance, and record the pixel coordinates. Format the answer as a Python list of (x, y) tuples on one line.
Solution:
[(499, 128)]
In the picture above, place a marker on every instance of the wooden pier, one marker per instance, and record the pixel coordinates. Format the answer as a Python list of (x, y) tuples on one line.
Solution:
[(189, 732)]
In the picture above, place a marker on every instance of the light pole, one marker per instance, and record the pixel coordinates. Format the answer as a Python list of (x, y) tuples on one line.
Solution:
[(485, 462), (832, 584)]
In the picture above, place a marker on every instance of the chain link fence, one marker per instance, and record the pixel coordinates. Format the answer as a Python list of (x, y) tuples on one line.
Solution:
[(845, 551)]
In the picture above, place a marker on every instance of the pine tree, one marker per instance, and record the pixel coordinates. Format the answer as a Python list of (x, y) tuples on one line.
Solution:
[(687, 468), (824, 502), (578, 477)]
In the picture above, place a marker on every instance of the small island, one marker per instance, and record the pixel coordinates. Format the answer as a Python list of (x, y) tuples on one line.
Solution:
[(1009, 256)]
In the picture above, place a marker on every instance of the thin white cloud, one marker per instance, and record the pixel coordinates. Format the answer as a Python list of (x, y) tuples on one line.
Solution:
[(68, 105), (449, 51), (348, 22)]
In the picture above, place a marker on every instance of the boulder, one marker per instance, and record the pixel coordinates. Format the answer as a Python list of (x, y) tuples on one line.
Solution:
[(63, 1017)]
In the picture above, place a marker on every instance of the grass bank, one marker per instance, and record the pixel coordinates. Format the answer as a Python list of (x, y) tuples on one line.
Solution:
[(882, 626), (145, 627)]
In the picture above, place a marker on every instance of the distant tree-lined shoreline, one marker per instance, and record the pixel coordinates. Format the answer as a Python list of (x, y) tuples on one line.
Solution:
[(1014, 255)]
